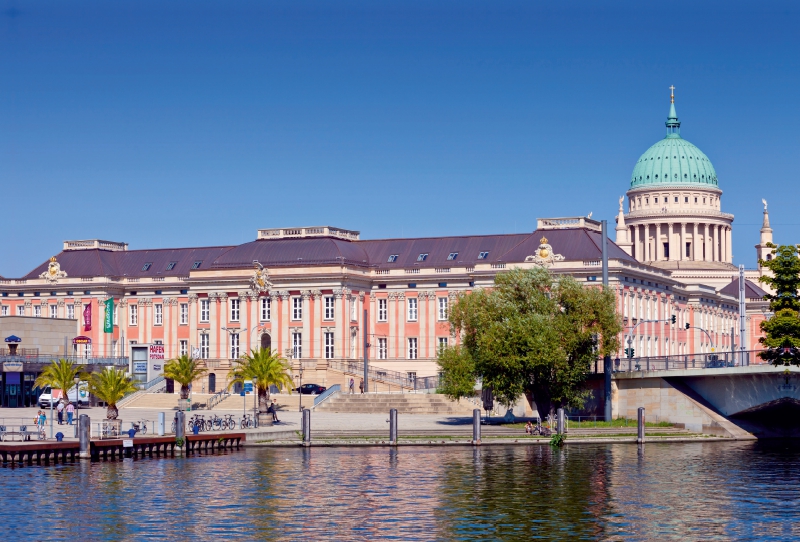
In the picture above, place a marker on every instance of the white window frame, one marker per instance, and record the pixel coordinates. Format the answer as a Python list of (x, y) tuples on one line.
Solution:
[(383, 349), (133, 314), (53, 311), (71, 312), (383, 310), (297, 308), (266, 309), (329, 345), (330, 308), (235, 306), (204, 345), (184, 348), (158, 314), (442, 342), (443, 306), (413, 349), (235, 346), (37, 311), (205, 310), (4, 310), (20, 310), (413, 309), (297, 345), (184, 314)]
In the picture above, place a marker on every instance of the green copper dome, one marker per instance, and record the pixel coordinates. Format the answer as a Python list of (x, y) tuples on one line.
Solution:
[(673, 161)]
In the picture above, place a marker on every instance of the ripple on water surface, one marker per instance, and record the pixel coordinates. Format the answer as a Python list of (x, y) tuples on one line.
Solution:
[(708, 491)]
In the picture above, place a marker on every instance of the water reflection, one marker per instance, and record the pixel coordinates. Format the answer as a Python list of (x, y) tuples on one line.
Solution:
[(709, 491)]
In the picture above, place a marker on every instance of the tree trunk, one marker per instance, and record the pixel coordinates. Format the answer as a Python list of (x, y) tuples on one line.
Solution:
[(184, 391), (112, 412), (544, 401), (263, 400)]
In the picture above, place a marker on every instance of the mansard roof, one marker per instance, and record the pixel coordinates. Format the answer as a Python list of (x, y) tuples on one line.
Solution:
[(751, 290)]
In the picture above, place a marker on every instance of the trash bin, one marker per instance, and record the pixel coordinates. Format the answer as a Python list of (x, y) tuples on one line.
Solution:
[(196, 429), (131, 433), (59, 436)]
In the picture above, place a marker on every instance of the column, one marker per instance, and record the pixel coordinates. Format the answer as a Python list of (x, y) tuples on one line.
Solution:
[(632, 238), (373, 320), (715, 228), (176, 324), (338, 336), (728, 233), (254, 303), (192, 323), (307, 342), (401, 325), (394, 318), (213, 326), (659, 246), (165, 323), (319, 333), (285, 339), (670, 239), (682, 247), (722, 250), (422, 319), (642, 240), (274, 307)]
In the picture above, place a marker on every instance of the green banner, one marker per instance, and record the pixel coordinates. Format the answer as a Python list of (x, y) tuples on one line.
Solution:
[(108, 321)]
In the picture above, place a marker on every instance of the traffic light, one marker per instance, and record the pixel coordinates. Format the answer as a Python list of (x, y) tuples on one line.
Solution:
[(687, 325), (674, 319), (629, 352)]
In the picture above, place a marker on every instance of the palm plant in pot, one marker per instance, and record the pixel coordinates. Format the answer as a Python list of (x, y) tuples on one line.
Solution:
[(266, 368)]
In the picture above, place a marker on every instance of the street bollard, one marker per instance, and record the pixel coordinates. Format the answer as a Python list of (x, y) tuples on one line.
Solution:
[(180, 425), (393, 427), (640, 426), (84, 426), (560, 421), (306, 427), (476, 427), (161, 424)]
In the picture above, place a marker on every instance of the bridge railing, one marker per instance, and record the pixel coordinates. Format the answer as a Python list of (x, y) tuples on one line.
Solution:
[(711, 360)]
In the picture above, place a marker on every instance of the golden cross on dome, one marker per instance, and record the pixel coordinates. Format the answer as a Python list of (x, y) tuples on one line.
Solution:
[(672, 94)]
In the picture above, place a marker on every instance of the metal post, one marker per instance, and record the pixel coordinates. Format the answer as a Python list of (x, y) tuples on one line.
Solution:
[(560, 421), (180, 424), (476, 427), (366, 357), (51, 412), (640, 426), (393, 427), (84, 425), (607, 386), (306, 427), (161, 424)]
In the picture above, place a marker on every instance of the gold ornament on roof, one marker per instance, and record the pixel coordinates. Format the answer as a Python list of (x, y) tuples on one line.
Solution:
[(544, 255), (260, 282), (53, 272)]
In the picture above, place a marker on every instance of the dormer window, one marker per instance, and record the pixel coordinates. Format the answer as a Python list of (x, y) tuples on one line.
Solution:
[(146, 266), (393, 258), (196, 265), (171, 266), (422, 257), (483, 255), (452, 256)]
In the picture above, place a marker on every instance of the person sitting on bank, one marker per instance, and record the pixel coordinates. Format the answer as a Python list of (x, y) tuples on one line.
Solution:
[(528, 428), (273, 409)]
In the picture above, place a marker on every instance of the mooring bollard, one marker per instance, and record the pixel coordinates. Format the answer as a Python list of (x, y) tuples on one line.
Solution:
[(476, 427), (306, 427), (393, 427), (180, 424), (84, 426), (640, 426), (161, 424), (560, 421)]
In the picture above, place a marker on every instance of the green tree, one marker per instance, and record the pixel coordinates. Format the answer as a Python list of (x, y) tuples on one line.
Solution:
[(59, 375), (184, 370), (266, 368), (782, 331), (110, 385), (533, 332)]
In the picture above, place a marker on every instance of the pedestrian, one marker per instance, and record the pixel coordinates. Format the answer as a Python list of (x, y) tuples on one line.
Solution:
[(60, 411), (352, 385), (70, 413), (41, 420), (273, 409), (361, 385)]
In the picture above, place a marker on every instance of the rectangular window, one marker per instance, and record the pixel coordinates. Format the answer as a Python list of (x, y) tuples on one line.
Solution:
[(158, 342), (329, 308), (452, 256), (412, 309), (20, 310), (443, 308), (37, 311), (297, 345), (382, 349), (234, 346), (412, 348), (4, 310), (383, 311), (158, 312), (688, 249), (266, 308), (412, 376), (328, 345), (71, 312), (184, 349), (234, 310), (133, 314), (442, 343), (297, 308), (204, 310), (483, 255), (184, 313), (204, 340), (53, 311)]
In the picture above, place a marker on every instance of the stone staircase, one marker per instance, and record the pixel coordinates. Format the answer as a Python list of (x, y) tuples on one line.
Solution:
[(165, 401), (406, 403)]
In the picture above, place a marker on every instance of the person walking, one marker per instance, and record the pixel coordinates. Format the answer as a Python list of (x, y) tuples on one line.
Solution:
[(70, 412), (60, 412), (361, 385), (352, 386)]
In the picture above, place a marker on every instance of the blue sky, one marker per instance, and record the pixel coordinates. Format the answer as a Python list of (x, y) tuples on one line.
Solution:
[(192, 123)]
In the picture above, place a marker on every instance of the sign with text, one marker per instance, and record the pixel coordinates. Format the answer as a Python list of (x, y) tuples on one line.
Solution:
[(81, 339), (156, 351), (12, 367), (127, 443), (140, 367)]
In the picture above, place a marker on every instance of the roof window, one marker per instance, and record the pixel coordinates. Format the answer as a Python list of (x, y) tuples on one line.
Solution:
[(422, 257), (452, 256), (196, 265), (483, 255), (393, 258), (146, 266), (171, 266)]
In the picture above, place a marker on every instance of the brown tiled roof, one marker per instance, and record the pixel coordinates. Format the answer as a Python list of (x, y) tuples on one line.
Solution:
[(751, 290)]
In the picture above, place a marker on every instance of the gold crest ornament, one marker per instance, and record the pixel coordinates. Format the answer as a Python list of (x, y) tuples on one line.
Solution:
[(53, 272), (260, 282), (544, 254)]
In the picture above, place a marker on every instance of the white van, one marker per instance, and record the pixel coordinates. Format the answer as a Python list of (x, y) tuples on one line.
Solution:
[(82, 396)]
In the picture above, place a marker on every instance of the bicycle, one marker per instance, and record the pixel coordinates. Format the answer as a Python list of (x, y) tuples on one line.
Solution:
[(247, 422), (216, 422), (140, 427), (228, 422)]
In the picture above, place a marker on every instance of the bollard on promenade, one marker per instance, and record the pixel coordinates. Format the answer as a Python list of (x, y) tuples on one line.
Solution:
[(476, 427), (161, 424), (393, 427), (640, 426), (560, 421), (84, 426), (180, 424), (306, 427)]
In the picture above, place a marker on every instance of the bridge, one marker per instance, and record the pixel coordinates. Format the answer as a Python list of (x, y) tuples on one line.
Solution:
[(733, 394)]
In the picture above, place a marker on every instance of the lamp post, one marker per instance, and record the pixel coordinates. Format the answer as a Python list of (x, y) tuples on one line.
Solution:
[(256, 410), (300, 389), (77, 380)]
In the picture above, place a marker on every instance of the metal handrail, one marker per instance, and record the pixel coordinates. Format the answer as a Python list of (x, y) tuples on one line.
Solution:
[(679, 362), (217, 398), (333, 390), (385, 375), (100, 360)]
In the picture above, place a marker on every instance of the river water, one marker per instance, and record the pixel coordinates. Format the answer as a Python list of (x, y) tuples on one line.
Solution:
[(695, 491)]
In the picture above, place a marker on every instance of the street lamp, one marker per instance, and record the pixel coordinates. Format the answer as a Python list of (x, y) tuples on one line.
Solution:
[(77, 380), (300, 389)]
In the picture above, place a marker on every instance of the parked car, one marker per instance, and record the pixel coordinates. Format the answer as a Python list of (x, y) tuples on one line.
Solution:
[(310, 389), (46, 397)]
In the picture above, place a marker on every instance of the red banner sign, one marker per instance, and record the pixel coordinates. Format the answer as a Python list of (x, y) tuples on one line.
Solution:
[(87, 318), (81, 340)]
